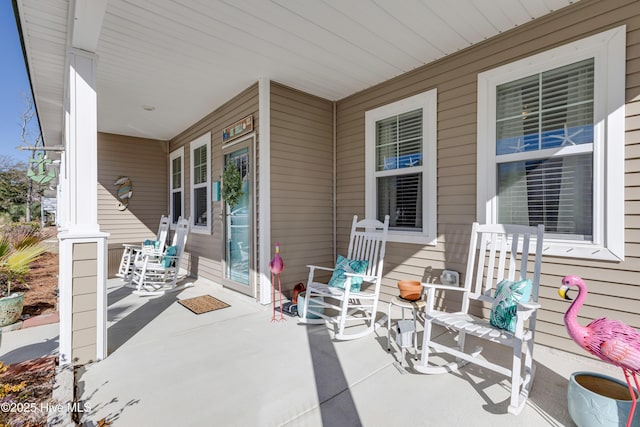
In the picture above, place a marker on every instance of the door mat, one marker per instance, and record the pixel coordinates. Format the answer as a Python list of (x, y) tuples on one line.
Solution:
[(203, 304)]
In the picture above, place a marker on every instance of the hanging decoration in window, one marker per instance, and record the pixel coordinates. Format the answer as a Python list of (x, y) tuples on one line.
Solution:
[(124, 192)]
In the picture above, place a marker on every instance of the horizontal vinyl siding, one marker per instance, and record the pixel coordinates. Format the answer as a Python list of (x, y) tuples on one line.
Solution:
[(85, 299), (206, 251), (614, 287), (301, 181), (144, 161)]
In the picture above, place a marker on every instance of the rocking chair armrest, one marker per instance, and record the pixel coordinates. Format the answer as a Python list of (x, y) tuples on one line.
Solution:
[(144, 254), (365, 278), (528, 307), (317, 267), (313, 268), (443, 287), (523, 312)]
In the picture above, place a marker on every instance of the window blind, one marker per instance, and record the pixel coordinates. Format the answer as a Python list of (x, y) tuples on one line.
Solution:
[(540, 112), (177, 206), (556, 192), (399, 141), (546, 110), (399, 146), (400, 197), (176, 173), (200, 206), (200, 165)]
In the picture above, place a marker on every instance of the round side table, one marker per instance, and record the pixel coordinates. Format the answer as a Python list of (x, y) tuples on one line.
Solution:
[(415, 307)]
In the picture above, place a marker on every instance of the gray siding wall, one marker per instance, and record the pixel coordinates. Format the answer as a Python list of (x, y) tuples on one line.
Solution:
[(206, 251), (301, 181), (84, 280), (614, 287), (145, 162)]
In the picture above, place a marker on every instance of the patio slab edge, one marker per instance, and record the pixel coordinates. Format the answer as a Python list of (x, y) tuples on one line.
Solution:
[(42, 319)]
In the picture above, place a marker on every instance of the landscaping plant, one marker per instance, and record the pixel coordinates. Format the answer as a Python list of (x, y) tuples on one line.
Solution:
[(19, 247)]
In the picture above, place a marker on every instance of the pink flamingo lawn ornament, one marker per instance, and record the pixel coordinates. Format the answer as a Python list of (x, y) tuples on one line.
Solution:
[(611, 340), (276, 266)]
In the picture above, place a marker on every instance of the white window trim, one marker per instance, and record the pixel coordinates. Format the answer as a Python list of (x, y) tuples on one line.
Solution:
[(195, 144), (428, 102), (179, 153), (608, 49)]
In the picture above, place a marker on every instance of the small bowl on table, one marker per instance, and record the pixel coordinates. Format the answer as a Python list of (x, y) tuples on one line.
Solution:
[(410, 290)]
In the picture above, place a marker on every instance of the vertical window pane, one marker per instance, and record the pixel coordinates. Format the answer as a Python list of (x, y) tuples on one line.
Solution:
[(177, 206), (200, 206), (556, 192), (400, 197), (567, 105), (200, 165), (517, 115), (176, 173), (399, 141), (547, 110)]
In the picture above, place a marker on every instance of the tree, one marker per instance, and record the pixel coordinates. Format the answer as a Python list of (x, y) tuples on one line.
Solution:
[(14, 187), (30, 136)]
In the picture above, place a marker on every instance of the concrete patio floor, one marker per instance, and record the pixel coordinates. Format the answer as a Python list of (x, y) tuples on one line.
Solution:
[(234, 367)]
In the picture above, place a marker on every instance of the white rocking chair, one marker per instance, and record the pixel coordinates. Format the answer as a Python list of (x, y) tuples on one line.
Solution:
[(367, 242), (130, 250), (493, 256), (156, 274)]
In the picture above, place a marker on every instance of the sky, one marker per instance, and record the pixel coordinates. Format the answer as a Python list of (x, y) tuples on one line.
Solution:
[(14, 85)]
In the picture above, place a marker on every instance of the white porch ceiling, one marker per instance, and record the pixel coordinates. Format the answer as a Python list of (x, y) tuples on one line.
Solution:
[(188, 57)]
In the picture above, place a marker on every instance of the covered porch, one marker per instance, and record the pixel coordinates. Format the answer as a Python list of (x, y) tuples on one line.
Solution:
[(151, 91), (233, 366)]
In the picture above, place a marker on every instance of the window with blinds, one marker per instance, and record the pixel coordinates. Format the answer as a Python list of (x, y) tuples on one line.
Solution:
[(544, 150), (398, 161), (200, 189), (200, 165), (177, 183), (201, 184)]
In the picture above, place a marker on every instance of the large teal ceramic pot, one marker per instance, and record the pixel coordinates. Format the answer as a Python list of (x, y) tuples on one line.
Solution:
[(597, 400), (313, 304), (11, 308)]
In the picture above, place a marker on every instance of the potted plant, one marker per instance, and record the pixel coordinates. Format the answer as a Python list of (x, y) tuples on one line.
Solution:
[(17, 252)]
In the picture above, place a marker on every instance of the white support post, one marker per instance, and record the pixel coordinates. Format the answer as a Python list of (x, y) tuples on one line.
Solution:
[(79, 224), (264, 110)]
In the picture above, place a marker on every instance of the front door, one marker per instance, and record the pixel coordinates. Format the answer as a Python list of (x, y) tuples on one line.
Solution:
[(239, 224)]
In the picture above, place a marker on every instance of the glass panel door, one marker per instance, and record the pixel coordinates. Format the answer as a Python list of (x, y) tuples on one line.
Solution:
[(238, 226)]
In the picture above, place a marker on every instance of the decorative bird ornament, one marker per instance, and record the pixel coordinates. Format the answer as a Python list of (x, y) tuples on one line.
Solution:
[(610, 340), (276, 266)]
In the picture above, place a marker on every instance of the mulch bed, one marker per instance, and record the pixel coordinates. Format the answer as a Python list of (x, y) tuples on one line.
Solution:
[(40, 286), (28, 407)]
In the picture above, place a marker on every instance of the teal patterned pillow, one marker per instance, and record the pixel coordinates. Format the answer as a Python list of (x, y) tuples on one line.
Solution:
[(505, 303), (169, 259), (344, 265)]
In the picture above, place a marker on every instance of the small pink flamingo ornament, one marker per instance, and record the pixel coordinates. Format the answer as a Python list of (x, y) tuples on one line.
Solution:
[(276, 266), (610, 340)]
